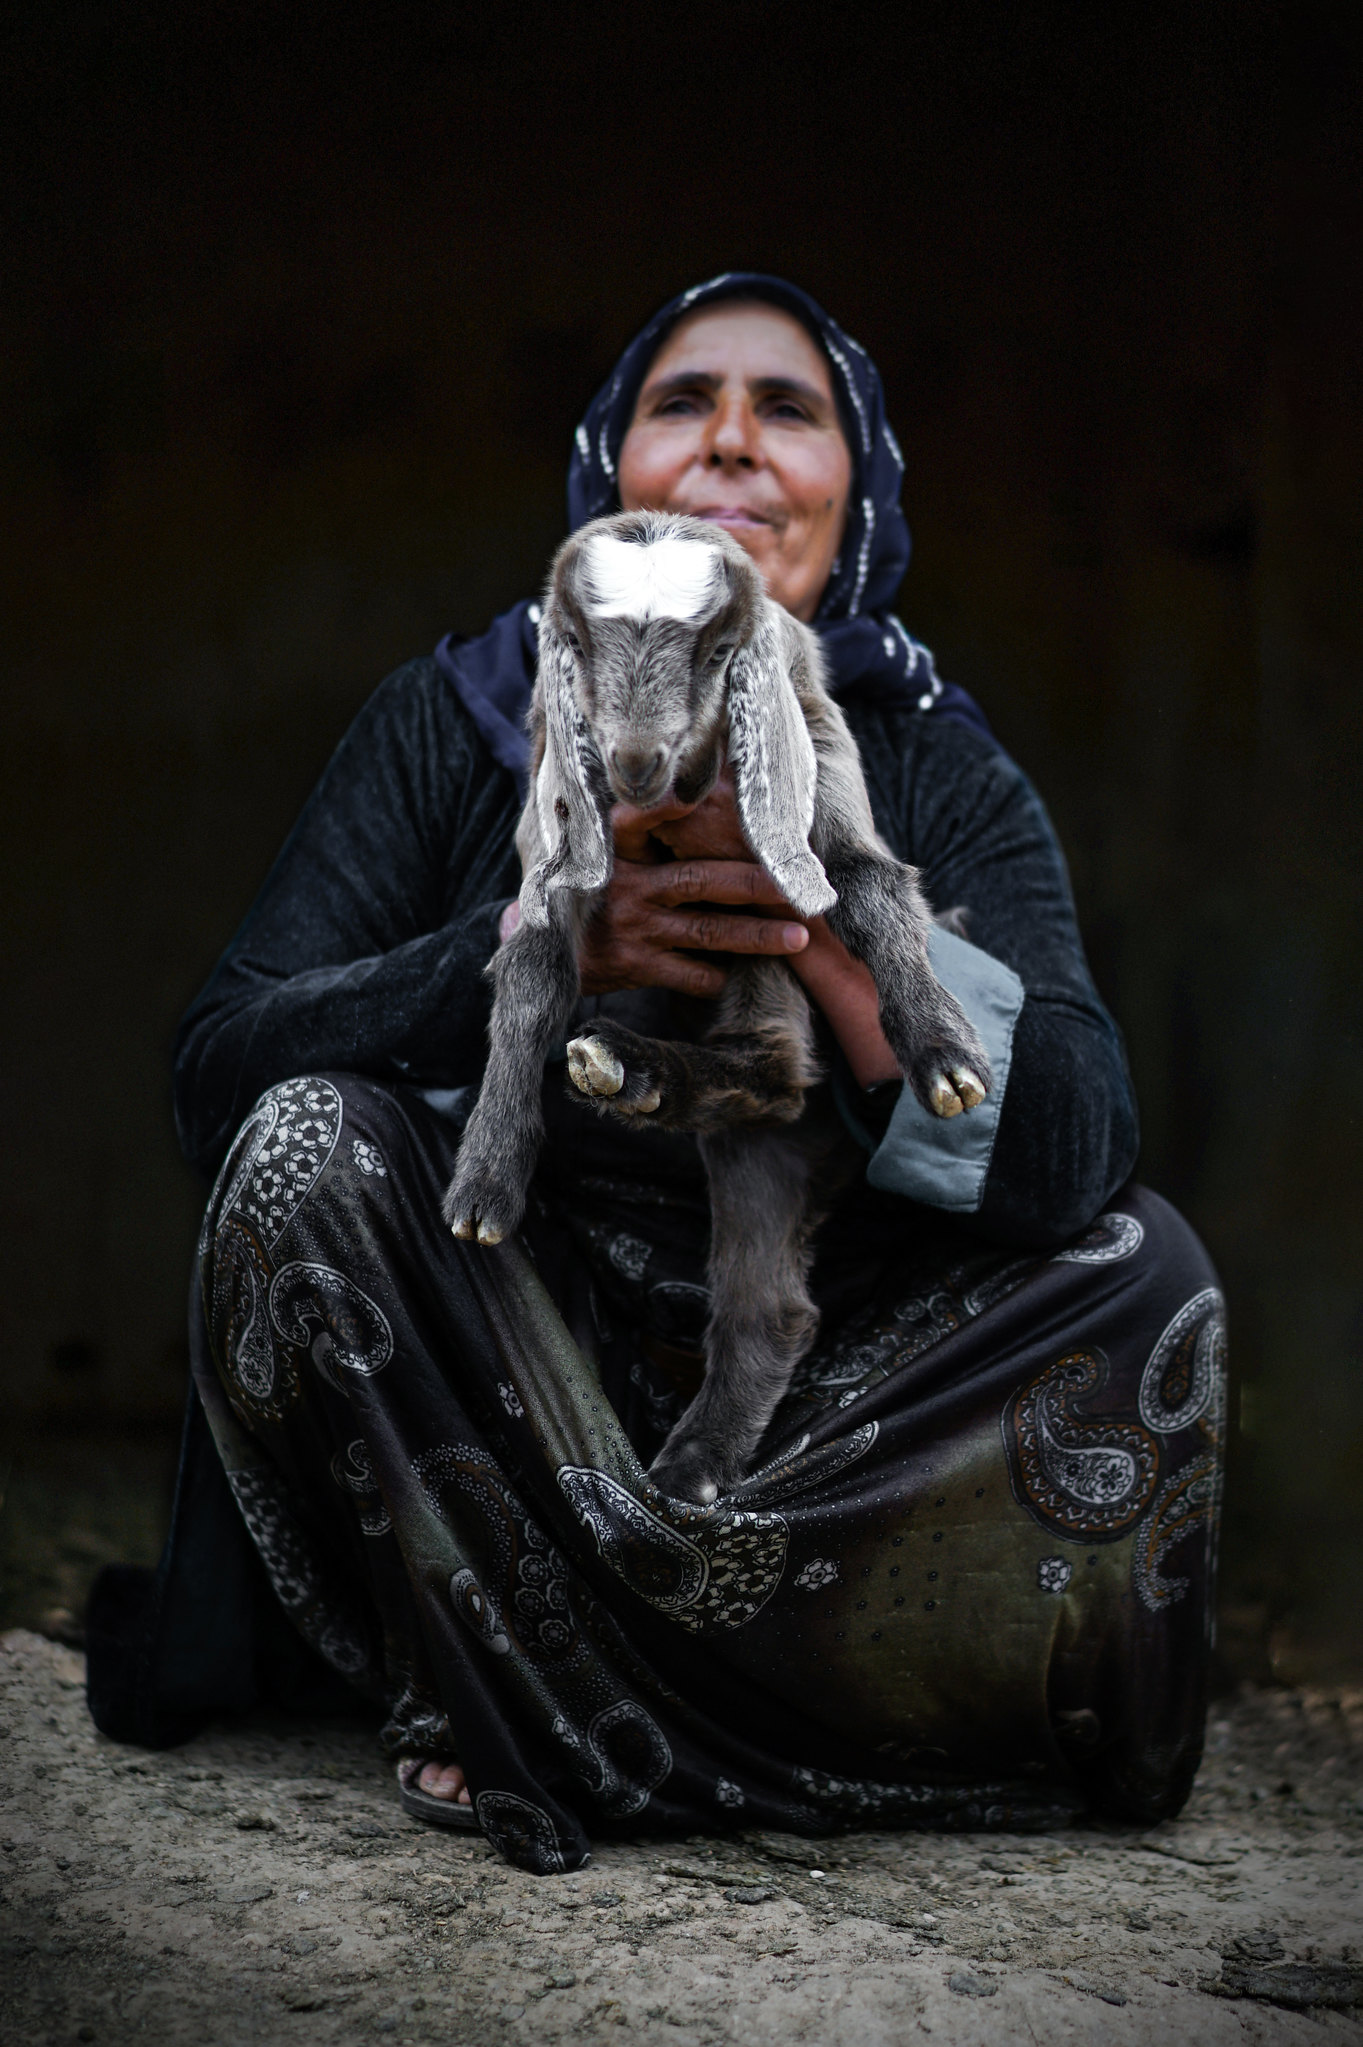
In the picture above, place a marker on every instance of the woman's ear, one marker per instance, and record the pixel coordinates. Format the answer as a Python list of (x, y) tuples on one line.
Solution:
[(775, 770), (572, 825)]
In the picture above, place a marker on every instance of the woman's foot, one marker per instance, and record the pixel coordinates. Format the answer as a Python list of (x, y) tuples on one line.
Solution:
[(434, 1789), (444, 1780)]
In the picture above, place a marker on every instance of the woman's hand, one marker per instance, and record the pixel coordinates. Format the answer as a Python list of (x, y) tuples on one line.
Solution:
[(835, 982), (651, 920), (649, 924)]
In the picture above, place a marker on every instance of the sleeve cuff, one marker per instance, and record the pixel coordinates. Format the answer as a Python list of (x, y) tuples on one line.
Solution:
[(945, 1164)]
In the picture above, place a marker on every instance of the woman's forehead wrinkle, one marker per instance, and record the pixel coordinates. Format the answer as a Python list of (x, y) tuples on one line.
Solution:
[(682, 380)]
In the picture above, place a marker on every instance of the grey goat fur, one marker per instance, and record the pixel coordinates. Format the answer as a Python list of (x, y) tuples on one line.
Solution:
[(660, 652)]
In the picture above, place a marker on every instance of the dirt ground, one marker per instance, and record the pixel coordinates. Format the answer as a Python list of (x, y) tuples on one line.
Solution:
[(261, 1884)]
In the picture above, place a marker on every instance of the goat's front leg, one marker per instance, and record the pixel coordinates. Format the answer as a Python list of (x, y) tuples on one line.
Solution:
[(762, 1320), (882, 918), (536, 978)]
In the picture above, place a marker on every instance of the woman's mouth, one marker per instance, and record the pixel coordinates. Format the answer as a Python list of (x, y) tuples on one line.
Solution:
[(736, 516)]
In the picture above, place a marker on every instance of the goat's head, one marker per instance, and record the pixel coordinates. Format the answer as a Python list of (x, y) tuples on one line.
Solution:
[(658, 644)]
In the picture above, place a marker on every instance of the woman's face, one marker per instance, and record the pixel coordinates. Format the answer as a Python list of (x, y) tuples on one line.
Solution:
[(737, 423)]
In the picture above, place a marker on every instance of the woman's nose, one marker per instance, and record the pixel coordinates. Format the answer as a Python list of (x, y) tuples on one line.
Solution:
[(732, 437)]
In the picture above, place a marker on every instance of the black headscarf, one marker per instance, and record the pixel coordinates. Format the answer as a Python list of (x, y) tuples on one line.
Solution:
[(867, 648)]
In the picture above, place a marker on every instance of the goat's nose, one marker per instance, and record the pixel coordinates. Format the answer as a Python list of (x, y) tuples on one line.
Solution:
[(634, 768)]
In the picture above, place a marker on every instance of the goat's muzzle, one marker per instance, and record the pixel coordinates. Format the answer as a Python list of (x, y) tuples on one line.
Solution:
[(639, 776)]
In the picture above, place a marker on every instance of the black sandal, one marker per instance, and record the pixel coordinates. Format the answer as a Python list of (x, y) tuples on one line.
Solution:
[(424, 1805)]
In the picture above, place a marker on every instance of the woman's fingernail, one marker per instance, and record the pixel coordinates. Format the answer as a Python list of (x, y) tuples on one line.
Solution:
[(796, 936)]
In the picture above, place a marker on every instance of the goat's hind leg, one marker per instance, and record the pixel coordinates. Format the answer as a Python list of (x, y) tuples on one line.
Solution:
[(536, 978), (762, 1319), (753, 1067), (680, 1086)]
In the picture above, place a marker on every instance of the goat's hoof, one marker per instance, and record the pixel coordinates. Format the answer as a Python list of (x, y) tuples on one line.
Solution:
[(471, 1230), (944, 1098), (598, 1072), (959, 1087), (480, 1208), (593, 1068), (968, 1086), (688, 1472)]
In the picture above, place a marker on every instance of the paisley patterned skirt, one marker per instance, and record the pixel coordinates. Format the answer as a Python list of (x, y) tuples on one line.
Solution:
[(970, 1584)]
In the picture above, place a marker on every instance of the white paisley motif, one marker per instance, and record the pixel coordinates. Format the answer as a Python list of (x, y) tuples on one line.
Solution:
[(673, 1569), (718, 1570), (315, 1305), (294, 1569), (474, 1606), (631, 1753), (1095, 1475), (1188, 1501), (522, 1832), (250, 1351), (292, 1134), (1183, 1374), (1112, 1237), (353, 1469)]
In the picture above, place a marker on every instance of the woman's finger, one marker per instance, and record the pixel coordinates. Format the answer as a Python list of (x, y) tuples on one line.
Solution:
[(685, 976), (633, 829), (714, 881), (714, 931)]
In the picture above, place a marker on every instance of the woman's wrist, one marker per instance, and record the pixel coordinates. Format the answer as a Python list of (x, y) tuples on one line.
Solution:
[(842, 988)]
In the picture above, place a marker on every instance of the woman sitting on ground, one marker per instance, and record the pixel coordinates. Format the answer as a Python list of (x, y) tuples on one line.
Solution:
[(968, 1582)]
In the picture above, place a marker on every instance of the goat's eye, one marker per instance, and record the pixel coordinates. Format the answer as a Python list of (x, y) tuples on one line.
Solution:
[(720, 656), (574, 642)]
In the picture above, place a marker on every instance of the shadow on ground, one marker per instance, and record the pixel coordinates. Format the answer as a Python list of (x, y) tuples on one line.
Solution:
[(71, 1501)]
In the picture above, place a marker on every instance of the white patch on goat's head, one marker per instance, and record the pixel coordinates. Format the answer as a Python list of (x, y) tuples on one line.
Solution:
[(644, 579)]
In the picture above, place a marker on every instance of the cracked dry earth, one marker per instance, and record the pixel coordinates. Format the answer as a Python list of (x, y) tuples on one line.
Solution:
[(261, 1884)]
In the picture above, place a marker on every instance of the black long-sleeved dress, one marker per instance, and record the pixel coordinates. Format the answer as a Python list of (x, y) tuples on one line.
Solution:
[(946, 1594), (365, 948)]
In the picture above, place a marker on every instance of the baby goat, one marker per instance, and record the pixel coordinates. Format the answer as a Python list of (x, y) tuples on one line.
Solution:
[(659, 651)]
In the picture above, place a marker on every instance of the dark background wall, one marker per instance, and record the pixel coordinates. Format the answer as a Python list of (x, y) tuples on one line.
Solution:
[(300, 310)]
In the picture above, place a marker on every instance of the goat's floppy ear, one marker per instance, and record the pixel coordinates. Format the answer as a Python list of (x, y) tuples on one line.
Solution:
[(775, 770), (572, 828)]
